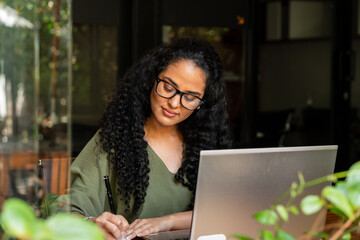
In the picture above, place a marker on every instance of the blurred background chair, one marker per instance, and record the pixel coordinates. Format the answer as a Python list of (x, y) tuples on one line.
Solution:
[(37, 182), (272, 127), (54, 174)]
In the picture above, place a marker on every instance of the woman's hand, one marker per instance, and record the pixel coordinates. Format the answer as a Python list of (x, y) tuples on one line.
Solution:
[(143, 227), (114, 226)]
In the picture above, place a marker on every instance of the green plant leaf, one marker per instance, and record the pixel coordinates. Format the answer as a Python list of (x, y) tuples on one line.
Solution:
[(70, 227), (346, 236), (266, 217), (301, 178), (342, 187), (266, 235), (242, 237), (54, 204), (49, 200), (337, 212), (293, 189), (354, 195), (337, 198), (311, 204), (282, 235), (293, 209), (301, 183), (42, 232), (318, 234), (18, 219), (353, 176), (283, 213)]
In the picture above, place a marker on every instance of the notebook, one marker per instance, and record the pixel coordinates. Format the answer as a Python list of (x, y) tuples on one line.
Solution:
[(233, 185)]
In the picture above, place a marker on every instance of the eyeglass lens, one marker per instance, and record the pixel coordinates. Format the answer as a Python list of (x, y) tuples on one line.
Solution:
[(166, 90)]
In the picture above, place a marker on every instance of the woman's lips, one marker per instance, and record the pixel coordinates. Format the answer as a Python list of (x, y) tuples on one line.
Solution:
[(168, 113)]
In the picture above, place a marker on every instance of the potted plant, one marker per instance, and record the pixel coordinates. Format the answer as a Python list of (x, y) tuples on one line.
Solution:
[(18, 220), (341, 199)]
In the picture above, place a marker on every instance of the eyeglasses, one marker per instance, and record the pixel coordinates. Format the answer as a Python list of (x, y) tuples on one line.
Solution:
[(187, 100)]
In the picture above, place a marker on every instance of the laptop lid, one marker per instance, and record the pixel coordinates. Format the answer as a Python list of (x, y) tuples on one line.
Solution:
[(233, 185)]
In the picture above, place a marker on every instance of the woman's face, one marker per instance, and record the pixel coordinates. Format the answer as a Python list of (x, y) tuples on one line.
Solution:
[(186, 77)]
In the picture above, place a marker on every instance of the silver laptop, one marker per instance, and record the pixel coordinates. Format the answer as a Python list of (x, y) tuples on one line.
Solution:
[(232, 185)]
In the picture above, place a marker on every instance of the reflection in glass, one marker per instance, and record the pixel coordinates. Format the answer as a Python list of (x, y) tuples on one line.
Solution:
[(95, 69), (309, 19), (273, 20), (35, 44)]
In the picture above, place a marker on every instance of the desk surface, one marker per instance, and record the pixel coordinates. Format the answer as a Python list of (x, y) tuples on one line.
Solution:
[(331, 220), (179, 234)]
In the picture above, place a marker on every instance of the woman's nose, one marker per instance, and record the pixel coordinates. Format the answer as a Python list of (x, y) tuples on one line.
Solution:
[(175, 101)]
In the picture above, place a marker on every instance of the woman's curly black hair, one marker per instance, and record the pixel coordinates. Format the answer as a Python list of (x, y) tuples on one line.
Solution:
[(122, 125)]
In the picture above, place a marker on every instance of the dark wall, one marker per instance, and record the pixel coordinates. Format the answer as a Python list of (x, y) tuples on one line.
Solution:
[(220, 13), (96, 12)]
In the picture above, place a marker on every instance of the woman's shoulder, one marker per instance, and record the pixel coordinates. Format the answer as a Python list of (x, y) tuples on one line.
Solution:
[(91, 152)]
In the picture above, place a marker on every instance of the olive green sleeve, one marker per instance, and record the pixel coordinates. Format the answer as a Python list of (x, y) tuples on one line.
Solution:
[(88, 193)]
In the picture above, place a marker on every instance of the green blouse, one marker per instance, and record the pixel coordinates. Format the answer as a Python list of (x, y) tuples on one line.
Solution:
[(164, 194)]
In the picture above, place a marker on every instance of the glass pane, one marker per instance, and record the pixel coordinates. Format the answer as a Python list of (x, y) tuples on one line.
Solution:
[(294, 96), (95, 73), (355, 106), (35, 63), (273, 21), (358, 18), (309, 19)]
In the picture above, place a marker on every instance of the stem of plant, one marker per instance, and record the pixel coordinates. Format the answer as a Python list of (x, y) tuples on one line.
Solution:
[(347, 224), (312, 183)]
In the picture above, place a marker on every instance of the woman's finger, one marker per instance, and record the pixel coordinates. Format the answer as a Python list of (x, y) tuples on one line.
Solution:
[(123, 225), (144, 229), (113, 224), (135, 224)]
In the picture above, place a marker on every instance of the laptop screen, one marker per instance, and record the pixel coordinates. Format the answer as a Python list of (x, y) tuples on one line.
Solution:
[(233, 185)]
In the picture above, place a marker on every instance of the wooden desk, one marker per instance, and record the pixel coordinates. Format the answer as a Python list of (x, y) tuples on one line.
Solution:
[(332, 219)]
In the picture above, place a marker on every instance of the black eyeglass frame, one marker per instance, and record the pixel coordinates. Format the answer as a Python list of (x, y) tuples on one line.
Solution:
[(177, 91)]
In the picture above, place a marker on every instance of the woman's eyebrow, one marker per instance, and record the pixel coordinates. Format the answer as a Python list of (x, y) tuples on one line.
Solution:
[(174, 83), (194, 93)]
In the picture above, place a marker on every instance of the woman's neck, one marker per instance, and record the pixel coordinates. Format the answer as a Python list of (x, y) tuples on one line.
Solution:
[(166, 142), (153, 130)]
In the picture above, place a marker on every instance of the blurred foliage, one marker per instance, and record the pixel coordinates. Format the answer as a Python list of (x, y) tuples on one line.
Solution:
[(53, 204), (18, 50), (19, 220), (343, 199)]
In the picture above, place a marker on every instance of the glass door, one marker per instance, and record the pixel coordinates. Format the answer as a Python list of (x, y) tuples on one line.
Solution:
[(35, 93), (295, 74)]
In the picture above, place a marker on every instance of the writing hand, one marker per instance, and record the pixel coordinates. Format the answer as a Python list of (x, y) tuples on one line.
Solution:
[(142, 227), (114, 226)]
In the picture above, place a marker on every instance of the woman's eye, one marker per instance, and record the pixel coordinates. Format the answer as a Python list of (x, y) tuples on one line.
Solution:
[(168, 88), (189, 98)]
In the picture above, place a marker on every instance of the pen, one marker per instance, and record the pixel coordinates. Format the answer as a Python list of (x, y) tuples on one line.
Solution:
[(109, 194)]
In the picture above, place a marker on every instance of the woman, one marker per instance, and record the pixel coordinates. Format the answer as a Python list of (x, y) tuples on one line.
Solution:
[(167, 107)]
